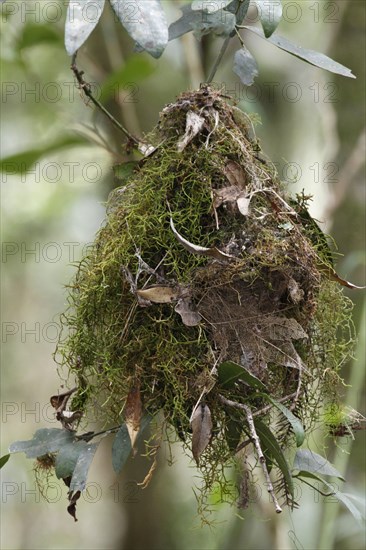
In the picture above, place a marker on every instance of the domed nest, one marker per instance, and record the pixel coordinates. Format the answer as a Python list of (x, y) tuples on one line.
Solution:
[(208, 295)]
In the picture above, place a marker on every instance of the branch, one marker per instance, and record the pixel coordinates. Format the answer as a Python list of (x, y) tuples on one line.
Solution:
[(263, 410), (86, 88), (257, 445)]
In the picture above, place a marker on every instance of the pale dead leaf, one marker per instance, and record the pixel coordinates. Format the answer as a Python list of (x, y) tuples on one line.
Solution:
[(160, 294), (69, 418), (226, 194), (232, 194), (201, 430), (235, 174), (133, 413), (189, 317), (194, 124), (146, 149), (296, 293), (243, 205), (59, 401), (200, 250), (333, 275)]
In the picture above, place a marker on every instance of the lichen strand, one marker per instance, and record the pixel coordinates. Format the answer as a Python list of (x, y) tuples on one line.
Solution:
[(266, 305)]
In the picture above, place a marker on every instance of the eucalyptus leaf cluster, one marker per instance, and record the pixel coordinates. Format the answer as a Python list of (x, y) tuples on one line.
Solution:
[(147, 24)]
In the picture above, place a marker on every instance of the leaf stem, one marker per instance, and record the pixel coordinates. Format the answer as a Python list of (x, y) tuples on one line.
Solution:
[(90, 435), (314, 488), (238, 35), (227, 40)]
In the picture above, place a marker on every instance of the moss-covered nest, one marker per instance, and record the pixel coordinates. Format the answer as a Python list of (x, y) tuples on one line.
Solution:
[(207, 291)]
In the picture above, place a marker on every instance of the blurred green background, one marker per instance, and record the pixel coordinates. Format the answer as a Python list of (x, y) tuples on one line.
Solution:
[(59, 154)]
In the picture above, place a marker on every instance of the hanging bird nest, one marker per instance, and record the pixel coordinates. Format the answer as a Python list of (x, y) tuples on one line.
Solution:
[(210, 295)]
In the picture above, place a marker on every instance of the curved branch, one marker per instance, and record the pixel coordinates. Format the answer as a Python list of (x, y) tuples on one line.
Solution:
[(133, 141)]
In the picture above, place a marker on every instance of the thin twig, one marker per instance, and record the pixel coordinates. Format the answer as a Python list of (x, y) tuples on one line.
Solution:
[(86, 88), (297, 393), (238, 35), (264, 410), (90, 435), (218, 60), (225, 45), (243, 445), (257, 445)]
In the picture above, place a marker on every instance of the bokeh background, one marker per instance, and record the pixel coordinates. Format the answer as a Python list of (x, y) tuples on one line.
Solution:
[(58, 153)]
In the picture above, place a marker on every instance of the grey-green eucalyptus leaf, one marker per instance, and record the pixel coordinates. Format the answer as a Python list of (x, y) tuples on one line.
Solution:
[(245, 66), (121, 447), (209, 6), (80, 473), (310, 56), (145, 22), (81, 19), (308, 461), (239, 8), (46, 440), (221, 22), (67, 458), (270, 14), (345, 498)]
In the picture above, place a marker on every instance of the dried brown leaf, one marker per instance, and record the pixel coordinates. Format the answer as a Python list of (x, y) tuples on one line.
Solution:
[(235, 174), (73, 498), (335, 277), (160, 294), (201, 430), (226, 194), (59, 401), (133, 413), (67, 418)]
